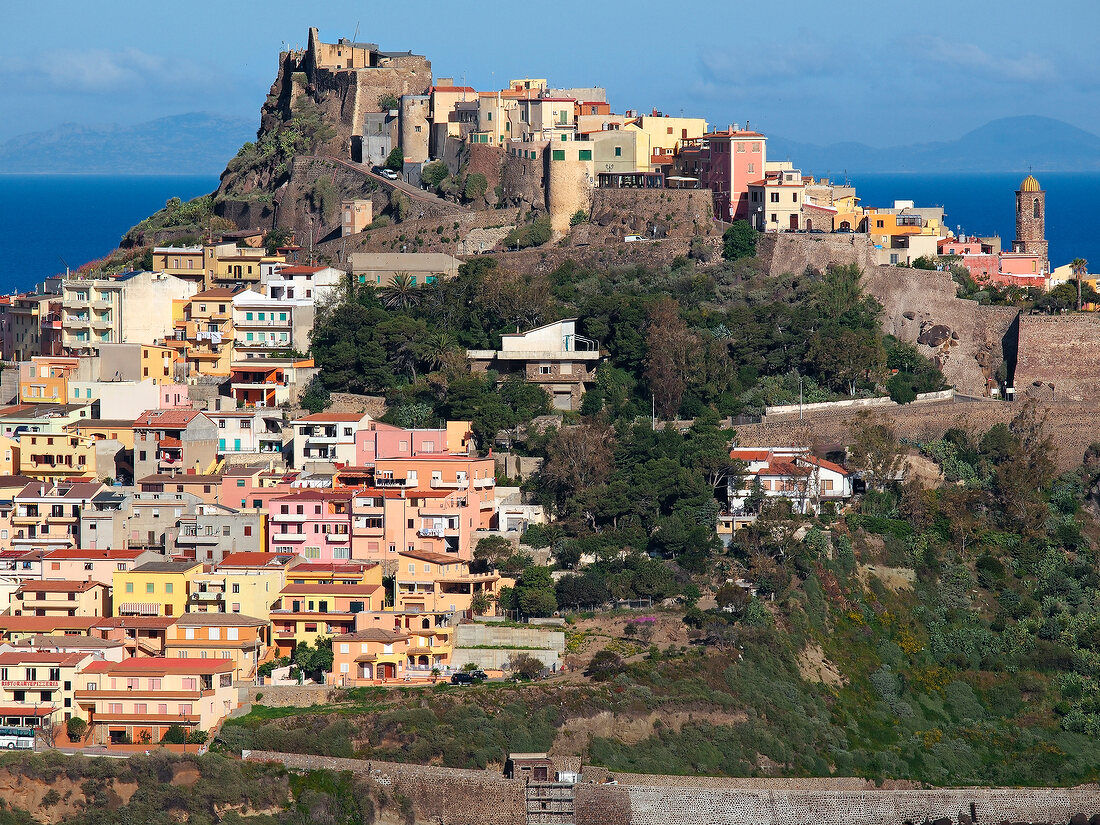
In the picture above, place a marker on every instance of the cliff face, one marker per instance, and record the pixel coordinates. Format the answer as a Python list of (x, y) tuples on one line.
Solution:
[(314, 108)]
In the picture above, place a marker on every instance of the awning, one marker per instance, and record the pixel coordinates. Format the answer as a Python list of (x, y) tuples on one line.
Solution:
[(140, 608)]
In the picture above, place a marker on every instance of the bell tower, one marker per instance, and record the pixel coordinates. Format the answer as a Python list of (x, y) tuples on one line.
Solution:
[(1031, 211)]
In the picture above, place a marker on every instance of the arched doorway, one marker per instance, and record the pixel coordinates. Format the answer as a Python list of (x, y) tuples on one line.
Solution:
[(809, 225), (845, 226)]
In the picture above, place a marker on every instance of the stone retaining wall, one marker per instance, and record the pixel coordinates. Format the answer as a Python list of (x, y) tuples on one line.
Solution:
[(459, 797)]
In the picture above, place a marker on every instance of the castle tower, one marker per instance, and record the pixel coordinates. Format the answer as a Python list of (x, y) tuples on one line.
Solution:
[(1030, 220)]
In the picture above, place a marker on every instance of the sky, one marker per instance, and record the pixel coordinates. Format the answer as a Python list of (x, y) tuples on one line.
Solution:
[(877, 73)]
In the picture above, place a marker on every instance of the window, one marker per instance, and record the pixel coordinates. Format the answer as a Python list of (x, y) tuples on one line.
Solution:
[(584, 154), (773, 197), (149, 587), (1035, 208), (214, 634), (618, 151), (189, 633), (558, 154), (168, 587), (154, 683), (752, 168), (740, 147), (247, 532), (129, 587)]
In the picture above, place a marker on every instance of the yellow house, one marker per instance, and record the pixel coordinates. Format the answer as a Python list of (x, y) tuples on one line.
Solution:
[(243, 639), (666, 134), (9, 456), (53, 456), (61, 598), (100, 429), (248, 592), (156, 588), (308, 612), (37, 686), (437, 583), (204, 335)]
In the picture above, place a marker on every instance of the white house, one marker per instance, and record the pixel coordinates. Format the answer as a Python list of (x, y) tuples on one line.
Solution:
[(792, 473)]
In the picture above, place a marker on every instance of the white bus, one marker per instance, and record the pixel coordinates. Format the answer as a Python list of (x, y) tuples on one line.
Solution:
[(17, 738)]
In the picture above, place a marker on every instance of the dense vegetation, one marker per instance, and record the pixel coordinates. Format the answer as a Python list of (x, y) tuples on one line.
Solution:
[(966, 654)]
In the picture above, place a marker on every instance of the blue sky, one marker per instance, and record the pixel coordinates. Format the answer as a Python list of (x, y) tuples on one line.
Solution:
[(879, 73)]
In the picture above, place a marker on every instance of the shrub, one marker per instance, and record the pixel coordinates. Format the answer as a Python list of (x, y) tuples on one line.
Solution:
[(175, 735), (578, 217), (605, 665), (396, 159), (76, 728), (476, 186), (535, 233), (434, 173)]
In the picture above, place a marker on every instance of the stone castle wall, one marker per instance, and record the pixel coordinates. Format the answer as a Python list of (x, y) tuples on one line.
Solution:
[(459, 797), (677, 213), (1063, 350)]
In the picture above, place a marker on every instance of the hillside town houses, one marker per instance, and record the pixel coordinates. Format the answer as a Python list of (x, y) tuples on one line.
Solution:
[(173, 522)]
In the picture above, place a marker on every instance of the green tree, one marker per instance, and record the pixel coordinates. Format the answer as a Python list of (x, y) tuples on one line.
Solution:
[(401, 292), (395, 160), (476, 186), (739, 241), (923, 262), (434, 173), (277, 237), (1080, 268), (875, 451), (578, 217), (175, 735), (535, 593), (75, 727), (388, 102)]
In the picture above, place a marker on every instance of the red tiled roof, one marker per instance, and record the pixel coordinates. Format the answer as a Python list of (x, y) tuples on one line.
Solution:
[(749, 454), (26, 710), (166, 418), (324, 589), (40, 624), (783, 469), (331, 417), (823, 464), (92, 555), (57, 586), (299, 270), (160, 664), (15, 657), (253, 559)]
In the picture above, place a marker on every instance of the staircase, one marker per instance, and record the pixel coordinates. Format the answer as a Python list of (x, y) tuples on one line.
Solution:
[(550, 803)]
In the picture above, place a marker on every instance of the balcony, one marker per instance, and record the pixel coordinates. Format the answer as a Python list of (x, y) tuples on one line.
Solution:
[(337, 538), (440, 484), (484, 482), (292, 537), (431, 532), (390, 481), (197, 538), (208, 596)]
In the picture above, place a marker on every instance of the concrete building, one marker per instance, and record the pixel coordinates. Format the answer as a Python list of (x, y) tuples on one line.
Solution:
[(315, 284), (327, 437), (777, 201), (173, 441), (241, 639), (355, 216), (257, 429), (269, 382), (553, 356), (135, 307), (264, 326), (380, 135), (379, 268), (212, 531), (725, 162), (61, 598), (203, 337)]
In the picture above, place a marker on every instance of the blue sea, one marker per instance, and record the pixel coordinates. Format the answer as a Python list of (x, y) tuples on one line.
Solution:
[(48, 221), (986, 205)]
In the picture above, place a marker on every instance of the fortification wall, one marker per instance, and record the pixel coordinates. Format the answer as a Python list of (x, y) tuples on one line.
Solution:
[(484, 159), (1074, 425), (523, 181), (782, 252), (456, 797), (916, 300), (442, 796), (1063, 350), (676, 213), (437, 233)]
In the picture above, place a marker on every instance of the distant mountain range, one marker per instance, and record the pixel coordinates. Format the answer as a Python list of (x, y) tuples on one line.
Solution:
[(1011, 144), (192, 144), (199, 143)]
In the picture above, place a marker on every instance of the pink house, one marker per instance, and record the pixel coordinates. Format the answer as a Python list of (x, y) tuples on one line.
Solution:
[(314, 524), (247, 488), (78, 565), (378, 440), (174, 396), (725, 162)]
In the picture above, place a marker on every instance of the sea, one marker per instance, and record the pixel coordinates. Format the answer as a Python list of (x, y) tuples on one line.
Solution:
[(48, 222)]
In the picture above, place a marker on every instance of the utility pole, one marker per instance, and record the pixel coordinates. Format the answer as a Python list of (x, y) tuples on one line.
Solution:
[(800, 398)]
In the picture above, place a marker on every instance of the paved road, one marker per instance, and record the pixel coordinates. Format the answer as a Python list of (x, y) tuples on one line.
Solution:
[(412, 191)]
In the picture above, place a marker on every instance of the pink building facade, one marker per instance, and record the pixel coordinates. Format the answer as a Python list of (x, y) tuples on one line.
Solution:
[(726, 162), (313, 524)]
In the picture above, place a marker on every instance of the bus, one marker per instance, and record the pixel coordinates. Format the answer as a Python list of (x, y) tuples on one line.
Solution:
[(17, 738)]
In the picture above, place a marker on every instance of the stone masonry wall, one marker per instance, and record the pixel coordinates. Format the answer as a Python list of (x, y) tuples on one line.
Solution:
[(1074, 425), (442, 796), (458, 797), (1063, 350)]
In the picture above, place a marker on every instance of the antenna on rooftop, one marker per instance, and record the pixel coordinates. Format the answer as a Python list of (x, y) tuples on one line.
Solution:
[(356, 31)]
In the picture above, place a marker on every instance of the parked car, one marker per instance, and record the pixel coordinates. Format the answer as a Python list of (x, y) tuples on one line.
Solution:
[(389, 174), (464, 678), (633, 238)]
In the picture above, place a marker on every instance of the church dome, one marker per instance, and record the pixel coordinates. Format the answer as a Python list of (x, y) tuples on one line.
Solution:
[(1029, 184)]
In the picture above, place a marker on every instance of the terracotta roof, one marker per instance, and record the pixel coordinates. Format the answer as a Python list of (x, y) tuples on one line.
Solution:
[(57, 586), (166, 418), (823, 464), (26, 710), (434, 558), (63, 490), (93, 555), (219, 620), (214, 294), (749, 454), (160, 664), (313, 494), (325, 589), (181, 478), (330, 417), (136, 622), (31, 657), (39, 641), (41, 624), (166, 566), (783, 469), (255, 559), (372, 634)]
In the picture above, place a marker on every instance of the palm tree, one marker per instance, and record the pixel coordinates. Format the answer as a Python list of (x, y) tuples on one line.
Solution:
[(1079, 267), (402, 292)]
